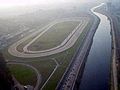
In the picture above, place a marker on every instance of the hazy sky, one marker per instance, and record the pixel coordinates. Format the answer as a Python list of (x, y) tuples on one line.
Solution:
[(8, 7), (8, 3)]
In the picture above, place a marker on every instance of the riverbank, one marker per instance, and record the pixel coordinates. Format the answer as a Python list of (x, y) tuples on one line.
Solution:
[(76, 67), (93, 30), (97, 69), (113, 75)]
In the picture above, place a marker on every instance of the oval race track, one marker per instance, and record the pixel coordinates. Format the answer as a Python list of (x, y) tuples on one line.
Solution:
[(66, 44)]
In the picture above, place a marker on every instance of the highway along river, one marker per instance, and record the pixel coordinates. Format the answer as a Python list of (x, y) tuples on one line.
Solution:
[(96, 74)]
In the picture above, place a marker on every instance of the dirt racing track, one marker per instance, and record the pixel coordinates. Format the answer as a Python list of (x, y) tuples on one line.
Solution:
[(66, 44)]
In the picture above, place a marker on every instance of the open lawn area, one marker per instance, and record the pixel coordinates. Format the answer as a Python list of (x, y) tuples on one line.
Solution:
[(54, 36), (46, 65), (24, 74)]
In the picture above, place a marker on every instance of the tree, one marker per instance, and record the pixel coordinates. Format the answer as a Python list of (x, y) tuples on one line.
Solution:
[(6, 82)]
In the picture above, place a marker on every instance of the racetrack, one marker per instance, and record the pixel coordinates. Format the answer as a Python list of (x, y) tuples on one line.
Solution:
[(66, 44)]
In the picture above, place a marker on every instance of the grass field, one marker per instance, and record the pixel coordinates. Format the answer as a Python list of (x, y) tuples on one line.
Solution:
[(45, 65), (54, 36), (64, 59), (24, 74), (20, 47), (45, 68)]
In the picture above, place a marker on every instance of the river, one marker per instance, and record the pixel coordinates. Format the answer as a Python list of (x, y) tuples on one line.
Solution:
[(96, 73)]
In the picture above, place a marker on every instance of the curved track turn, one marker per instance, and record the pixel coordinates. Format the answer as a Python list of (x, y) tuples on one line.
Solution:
[(66, 44)]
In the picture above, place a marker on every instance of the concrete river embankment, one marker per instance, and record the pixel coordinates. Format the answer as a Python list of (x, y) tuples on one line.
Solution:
[(96, 74)]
